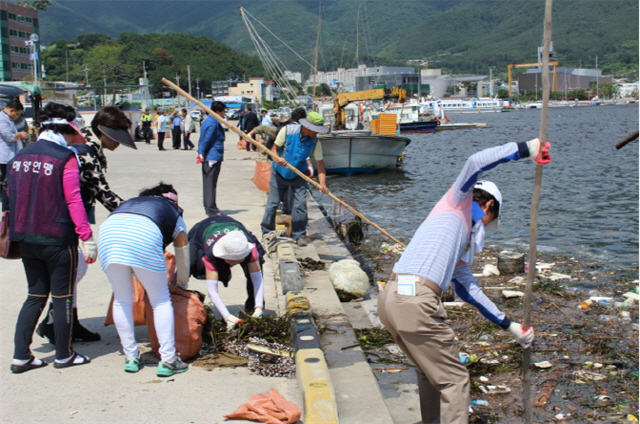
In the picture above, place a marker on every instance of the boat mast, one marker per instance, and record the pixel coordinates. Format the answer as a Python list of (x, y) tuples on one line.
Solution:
[(315, 65)]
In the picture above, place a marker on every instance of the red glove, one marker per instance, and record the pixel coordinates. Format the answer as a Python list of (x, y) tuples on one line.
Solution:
[(310, 172), (199, 160), (539, 152), (544, 157)]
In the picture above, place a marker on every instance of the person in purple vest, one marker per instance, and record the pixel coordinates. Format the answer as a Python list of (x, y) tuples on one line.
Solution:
[(132, 240), (47, 218), (111, 126)]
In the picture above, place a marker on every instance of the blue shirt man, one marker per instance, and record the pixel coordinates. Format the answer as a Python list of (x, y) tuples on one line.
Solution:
[(211, 154)]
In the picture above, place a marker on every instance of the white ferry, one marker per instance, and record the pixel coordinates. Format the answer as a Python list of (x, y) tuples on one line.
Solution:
[(475, 105)]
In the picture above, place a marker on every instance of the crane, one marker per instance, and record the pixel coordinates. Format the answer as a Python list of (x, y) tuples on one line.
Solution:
[(343, 99)]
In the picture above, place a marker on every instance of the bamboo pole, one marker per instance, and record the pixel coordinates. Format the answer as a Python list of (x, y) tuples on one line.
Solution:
[(276, 157), (533, 230)]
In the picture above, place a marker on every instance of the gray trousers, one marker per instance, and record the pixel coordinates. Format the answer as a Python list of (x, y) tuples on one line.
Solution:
[(417, 324), (278, 188), (210, 176)]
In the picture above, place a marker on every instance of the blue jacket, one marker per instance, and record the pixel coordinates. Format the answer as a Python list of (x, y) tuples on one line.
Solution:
[(211, 142)]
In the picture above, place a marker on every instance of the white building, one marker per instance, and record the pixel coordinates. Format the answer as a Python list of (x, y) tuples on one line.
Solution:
[(628, 89), (295, 76)]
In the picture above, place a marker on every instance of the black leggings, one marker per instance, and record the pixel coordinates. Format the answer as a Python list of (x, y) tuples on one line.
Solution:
[(50, 270)]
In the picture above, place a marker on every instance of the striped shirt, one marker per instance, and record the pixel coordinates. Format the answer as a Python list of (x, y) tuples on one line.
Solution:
[(134, 240), (439, 244)]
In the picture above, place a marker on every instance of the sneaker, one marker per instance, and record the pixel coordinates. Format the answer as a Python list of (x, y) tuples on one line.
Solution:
[(132, 365), (167, 369), (302, 242)]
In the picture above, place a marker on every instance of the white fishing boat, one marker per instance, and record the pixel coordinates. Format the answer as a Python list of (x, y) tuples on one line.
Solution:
[(451, 106), (353, 152)]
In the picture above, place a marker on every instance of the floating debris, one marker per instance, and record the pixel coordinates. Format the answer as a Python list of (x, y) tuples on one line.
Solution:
[(509, 294), (543, 364)]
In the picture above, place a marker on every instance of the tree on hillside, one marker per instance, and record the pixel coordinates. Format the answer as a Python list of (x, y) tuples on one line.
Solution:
[(104, 62), (88, 41), (37, 4)]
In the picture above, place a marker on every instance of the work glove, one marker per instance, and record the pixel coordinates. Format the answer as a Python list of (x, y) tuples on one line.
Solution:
[(310, 172), (89, 250), (231, 321), (538, 152), (182, 266), (525, 338), (257, 313)]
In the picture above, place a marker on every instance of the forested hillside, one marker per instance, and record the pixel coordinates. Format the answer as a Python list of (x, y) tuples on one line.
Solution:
[(120, 61), (457, 35)]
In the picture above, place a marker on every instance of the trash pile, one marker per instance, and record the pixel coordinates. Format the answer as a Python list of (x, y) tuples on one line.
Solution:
[(263, 344)]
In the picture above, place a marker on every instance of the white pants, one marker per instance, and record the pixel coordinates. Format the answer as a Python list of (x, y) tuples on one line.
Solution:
[(155, 284)]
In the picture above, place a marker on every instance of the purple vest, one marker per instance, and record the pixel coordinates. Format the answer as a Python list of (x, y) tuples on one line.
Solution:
[(39, 211)]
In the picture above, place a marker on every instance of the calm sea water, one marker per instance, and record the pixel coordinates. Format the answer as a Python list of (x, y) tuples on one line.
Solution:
[(589, 201)]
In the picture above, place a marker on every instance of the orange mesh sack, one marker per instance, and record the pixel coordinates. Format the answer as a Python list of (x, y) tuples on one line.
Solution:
[(262, 175), (138, 305), (189, 315), (271, 408)]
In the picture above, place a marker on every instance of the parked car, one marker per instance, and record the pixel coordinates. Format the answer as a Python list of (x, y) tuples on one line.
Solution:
[(195, 115)]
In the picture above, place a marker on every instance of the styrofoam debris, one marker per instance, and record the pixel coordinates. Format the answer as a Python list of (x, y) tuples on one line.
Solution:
[(554, 276), (543, 364), (490, 270), (508, 294), (483, 379), (454, 304), (632, 297), (542, 265), (517, 280)]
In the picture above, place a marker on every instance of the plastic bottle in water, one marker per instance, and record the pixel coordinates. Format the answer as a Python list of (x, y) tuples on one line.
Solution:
[(480, 402)]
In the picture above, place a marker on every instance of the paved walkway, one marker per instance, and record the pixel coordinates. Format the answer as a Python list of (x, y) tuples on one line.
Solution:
[(101, 392)]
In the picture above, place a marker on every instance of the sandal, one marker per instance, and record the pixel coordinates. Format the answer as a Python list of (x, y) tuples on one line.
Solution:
[(17, 369), (72, 362)]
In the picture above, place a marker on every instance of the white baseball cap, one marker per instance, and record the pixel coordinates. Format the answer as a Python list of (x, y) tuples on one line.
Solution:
[(492, 189), (233, 246)]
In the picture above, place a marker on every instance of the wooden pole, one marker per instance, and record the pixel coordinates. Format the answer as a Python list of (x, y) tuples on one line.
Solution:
[(533, 230), (276, 157), (627, 140)]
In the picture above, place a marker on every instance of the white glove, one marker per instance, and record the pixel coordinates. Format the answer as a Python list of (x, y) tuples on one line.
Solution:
[(231, 321), (89, 250), (525, 338), (257, 313), (182, 266)]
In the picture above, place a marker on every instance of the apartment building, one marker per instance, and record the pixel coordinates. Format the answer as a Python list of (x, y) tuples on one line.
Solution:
[(17, 23)]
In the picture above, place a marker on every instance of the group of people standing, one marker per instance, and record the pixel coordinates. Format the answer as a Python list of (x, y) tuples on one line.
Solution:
[(52, 186), (180, 125)]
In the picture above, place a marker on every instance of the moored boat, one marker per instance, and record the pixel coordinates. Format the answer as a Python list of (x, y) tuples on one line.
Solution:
[(354, 152)]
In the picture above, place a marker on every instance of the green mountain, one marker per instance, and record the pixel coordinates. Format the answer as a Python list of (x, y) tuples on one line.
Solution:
[(456, 35)]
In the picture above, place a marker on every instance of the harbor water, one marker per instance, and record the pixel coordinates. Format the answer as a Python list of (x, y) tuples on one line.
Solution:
[(589, 201)]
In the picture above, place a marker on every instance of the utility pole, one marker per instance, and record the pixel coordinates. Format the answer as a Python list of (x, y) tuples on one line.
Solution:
[(178, 84), (189, 77), (86, 75), (198, 87), (597, 90), (490, 82), (66, 54)]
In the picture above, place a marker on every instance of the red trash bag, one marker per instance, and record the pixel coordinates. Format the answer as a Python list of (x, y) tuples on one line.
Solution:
[(189, 315), (262, 175), (271, 408)]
